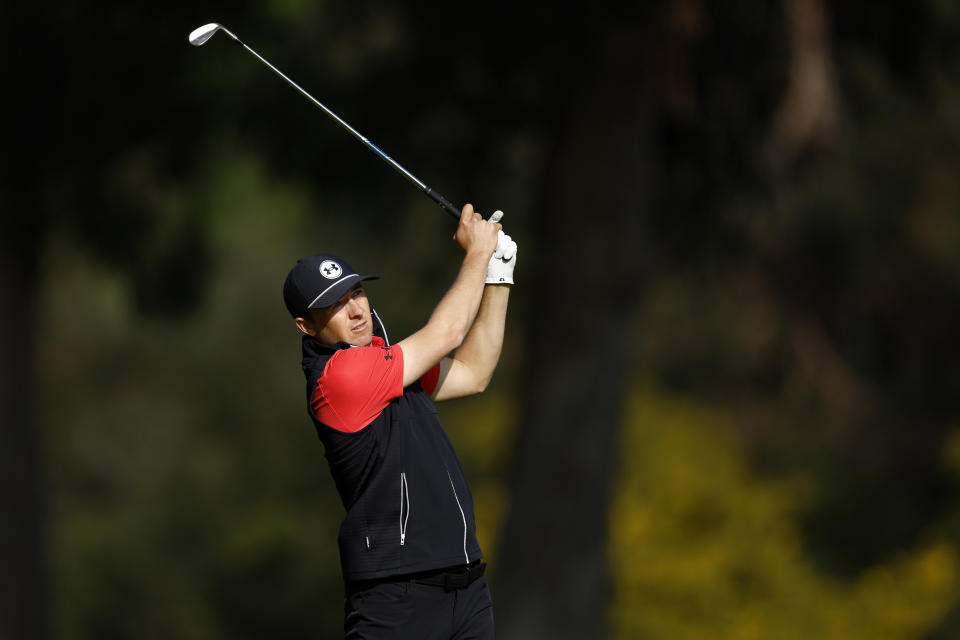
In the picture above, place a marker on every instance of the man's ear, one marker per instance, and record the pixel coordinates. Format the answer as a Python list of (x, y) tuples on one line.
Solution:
[(306, 326)]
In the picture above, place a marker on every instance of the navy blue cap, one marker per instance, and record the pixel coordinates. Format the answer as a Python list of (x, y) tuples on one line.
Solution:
[(318, 281)]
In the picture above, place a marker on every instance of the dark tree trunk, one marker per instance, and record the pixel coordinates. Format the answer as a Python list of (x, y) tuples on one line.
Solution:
[(23, 570), (22, 540), (588, 247)]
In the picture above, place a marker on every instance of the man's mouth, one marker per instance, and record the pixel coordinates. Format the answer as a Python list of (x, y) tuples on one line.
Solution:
[(360, 327)]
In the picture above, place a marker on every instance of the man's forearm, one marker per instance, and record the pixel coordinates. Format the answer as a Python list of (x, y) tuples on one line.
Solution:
[(481, 348), (470, 369), (449, 323), (458, 308)]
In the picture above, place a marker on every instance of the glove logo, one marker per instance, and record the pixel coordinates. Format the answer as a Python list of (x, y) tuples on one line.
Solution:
[(330, 270)]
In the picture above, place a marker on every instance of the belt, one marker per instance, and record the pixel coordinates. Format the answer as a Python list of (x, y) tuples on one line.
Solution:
[(452, 578)]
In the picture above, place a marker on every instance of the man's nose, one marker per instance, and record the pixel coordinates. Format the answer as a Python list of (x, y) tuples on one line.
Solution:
[(354, 308)]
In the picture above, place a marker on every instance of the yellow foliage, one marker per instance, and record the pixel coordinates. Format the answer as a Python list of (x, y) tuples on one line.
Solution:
[(951, 452), (703, 548)]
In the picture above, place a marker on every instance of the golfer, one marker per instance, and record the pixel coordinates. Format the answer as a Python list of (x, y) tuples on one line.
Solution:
[(408, 548)]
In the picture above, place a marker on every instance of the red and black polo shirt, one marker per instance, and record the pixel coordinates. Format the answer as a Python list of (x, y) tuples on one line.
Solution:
[(408, 504)]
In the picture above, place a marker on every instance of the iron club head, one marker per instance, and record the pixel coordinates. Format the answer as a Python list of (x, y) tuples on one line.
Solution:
[(200, 35)]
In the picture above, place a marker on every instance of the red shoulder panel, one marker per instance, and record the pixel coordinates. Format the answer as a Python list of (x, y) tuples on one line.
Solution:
[(357, 384)]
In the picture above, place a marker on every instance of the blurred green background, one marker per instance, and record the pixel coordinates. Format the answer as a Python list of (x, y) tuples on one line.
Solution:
[(728, 401)]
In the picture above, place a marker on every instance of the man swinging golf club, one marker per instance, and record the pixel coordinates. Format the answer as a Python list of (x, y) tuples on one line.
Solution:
[(408, 549)]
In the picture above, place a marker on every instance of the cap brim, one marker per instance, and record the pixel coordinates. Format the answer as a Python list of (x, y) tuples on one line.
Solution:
[(335, 291)]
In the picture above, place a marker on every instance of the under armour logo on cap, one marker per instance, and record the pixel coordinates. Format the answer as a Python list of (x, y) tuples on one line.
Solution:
[(330, 269), (318, 281)]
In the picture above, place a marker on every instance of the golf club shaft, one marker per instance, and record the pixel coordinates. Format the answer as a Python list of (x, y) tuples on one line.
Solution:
[(447, 206)]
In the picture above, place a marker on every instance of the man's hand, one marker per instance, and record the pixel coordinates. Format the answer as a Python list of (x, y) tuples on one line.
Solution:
[(504, 258), (476, 235)]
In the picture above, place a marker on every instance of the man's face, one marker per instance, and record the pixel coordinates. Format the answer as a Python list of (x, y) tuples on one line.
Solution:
[(348, 320)]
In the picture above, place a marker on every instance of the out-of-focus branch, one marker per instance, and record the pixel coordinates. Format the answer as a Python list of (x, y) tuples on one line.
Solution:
[(808, 112)]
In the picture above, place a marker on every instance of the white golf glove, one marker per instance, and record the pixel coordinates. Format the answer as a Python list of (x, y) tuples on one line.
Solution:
[(504, 258)]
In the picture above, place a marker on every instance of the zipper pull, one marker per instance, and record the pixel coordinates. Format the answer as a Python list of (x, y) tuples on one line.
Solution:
[(403, 537), (367, 538)]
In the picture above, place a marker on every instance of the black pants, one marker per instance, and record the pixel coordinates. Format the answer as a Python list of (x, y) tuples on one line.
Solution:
[(408, 609)]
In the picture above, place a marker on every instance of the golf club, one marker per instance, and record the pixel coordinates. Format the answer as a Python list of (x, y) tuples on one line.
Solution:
[(200, 35)]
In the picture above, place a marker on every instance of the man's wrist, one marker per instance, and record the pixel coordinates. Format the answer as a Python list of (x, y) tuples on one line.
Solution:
[(476, 261), (473, 266), (477, 254)]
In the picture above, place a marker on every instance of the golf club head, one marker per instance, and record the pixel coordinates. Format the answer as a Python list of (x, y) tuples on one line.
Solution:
[(200, 35)]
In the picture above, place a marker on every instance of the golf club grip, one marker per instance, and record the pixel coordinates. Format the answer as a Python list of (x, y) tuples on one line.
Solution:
[(443, 202)]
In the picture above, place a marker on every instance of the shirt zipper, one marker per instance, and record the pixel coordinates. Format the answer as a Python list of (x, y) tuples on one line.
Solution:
[(404, 508), (462, 515)]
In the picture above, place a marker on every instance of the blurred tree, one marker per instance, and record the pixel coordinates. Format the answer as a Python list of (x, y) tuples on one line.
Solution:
[(23, 586), (820, 307), (782, 172), (586, 265), (192, 497), (94, 149), (701, 546)]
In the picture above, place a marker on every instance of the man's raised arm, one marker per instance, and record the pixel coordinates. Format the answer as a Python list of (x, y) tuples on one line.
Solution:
[(451, 320), (470, 369)]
